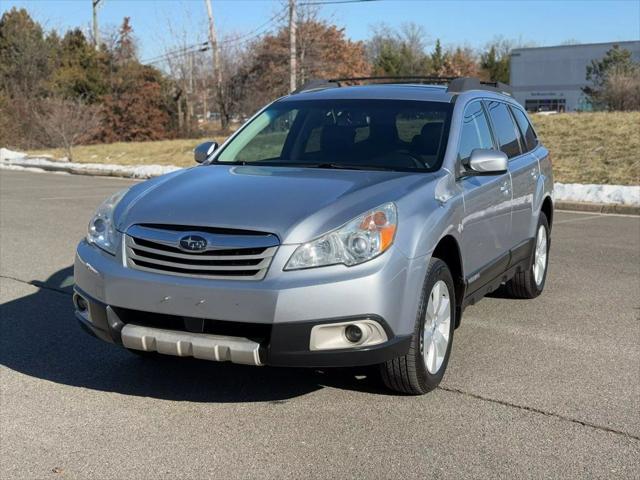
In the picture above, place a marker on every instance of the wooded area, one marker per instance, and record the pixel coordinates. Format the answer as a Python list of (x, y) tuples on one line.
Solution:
[(61, 89)]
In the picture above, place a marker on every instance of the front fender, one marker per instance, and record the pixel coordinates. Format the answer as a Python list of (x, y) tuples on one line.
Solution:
[(429, 215)]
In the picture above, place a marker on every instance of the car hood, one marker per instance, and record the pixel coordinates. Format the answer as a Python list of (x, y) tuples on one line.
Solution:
[(296, 204)]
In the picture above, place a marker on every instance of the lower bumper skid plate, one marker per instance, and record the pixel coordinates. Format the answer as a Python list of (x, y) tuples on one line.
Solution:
[(184, 344)]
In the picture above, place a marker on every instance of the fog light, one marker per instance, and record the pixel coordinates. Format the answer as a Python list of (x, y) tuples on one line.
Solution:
[(81, 304), (353, 333), (359, 333)]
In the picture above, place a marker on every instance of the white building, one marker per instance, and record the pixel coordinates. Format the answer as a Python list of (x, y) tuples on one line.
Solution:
[(551, 78)]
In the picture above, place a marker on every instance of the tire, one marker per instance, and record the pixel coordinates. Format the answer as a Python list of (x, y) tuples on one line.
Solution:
[(409, 373), (523, 284)]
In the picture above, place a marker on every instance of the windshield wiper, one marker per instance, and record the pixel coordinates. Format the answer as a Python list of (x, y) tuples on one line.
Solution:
[(325, 165), (239, 162), (346, 166)]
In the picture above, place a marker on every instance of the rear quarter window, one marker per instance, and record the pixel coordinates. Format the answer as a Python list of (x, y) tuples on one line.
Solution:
[(505, 129), (530, 138)]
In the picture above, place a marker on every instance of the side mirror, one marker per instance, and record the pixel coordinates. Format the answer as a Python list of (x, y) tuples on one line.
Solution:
[(204, 151), (487, 162)]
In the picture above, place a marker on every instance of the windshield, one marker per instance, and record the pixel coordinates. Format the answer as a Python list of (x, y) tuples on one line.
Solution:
[(359, 134)]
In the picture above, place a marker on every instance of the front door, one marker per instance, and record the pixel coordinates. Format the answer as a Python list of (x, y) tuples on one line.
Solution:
[(486, 225)]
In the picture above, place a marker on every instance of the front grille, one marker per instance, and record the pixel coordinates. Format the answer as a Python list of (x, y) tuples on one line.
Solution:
[(228, 255)]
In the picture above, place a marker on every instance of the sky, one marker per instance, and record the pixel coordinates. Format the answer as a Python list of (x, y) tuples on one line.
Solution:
[(157, 23)]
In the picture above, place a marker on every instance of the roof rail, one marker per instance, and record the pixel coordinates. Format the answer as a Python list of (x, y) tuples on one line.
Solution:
[(463, 84), (455, 84)]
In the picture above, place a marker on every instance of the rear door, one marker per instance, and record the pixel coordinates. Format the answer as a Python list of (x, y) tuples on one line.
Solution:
[(487, 212), (523, 167), (529, 172)]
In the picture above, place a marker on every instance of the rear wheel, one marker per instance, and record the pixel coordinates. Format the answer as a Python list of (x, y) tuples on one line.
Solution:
[(529, 284), (422, 368)]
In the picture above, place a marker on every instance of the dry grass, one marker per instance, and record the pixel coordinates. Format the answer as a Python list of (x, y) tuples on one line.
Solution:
[(163, 152), (601, 147), (585, 148)]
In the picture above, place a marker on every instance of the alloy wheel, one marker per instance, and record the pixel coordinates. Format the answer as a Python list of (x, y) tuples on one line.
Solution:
[(437, 326), (540, 258)]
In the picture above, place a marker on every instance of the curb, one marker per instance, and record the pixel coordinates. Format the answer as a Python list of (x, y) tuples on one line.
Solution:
[(604, 208), (598, 207)]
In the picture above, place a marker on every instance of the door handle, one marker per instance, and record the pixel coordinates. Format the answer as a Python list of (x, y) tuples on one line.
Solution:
[(504, 188), (534, 174)]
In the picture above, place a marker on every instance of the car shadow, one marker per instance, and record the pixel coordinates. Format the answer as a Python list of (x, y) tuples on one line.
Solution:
[(40, 337)]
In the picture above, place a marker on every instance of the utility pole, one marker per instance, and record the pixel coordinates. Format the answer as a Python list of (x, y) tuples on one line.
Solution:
[(96, 30), (216, 63), (293, 20), (190, 99)]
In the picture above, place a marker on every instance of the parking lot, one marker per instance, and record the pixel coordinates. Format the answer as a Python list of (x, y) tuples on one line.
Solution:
[(549, 387)]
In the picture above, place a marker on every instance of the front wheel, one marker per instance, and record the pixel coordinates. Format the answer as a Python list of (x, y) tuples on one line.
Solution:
[(422, 368)]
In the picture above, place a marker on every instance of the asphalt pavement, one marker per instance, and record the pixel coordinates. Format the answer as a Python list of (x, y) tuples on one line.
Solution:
[(541, 388)]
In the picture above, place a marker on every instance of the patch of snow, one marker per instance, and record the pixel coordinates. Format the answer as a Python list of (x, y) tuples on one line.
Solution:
[(608, 194), (12, 160), (6, 154)]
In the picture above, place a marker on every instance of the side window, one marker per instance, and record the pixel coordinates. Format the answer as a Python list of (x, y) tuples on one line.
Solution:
[(475, 131), (506, 132), (525, 127)]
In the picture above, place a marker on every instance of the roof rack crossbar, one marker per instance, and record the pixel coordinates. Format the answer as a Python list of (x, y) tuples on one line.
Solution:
[(398, 79), (455, 84), (321, 84)]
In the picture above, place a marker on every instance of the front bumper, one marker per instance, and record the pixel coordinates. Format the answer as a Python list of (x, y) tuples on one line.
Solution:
[(285, 305), (285, 345)]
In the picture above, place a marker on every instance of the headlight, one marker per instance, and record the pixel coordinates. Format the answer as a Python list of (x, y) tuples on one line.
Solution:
[(102, 230), (358, 241)]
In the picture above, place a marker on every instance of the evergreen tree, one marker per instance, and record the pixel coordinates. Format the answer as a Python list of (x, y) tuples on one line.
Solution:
[(399, 52), (25, 56), (438, 59), (615, 81), (80, 70), (495, 65)]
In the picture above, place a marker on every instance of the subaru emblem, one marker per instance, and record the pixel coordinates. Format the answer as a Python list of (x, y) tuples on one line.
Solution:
[(193, 243)]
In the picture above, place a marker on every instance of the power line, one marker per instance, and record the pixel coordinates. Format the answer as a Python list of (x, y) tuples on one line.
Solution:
[(332, 2), (204, 46), (196, 47), (259, 30), (244, 38)]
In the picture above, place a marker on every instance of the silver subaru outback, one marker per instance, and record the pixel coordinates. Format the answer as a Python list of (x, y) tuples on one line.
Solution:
[(340, 226)]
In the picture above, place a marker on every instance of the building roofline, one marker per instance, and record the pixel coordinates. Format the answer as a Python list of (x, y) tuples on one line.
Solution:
[(621, 42)]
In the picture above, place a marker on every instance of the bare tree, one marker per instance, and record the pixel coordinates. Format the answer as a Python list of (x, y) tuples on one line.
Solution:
[(621, 90), (399, 51), (67, 122), (185, 62)]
